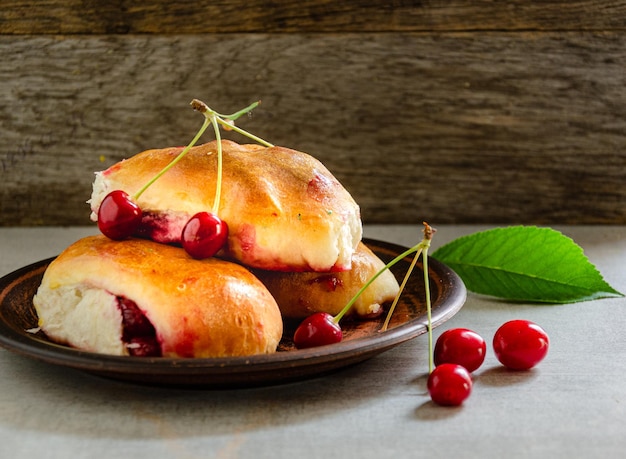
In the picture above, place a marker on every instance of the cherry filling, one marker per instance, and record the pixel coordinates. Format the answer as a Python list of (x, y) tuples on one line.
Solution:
[(329, 281), (138, 333), (161, 227)]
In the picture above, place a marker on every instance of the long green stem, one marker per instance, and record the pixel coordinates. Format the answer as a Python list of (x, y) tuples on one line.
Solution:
[(428, 308), (347, 307), (421, 248), (175, 160), (210, 117), (243, 111), (232, 127), (227, 120), (218, 181), (404, 281)]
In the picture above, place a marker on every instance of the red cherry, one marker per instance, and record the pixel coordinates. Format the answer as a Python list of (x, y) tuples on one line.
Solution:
[(118, 216), (317, 330), (204, 235), (520, 344), (461, 346), (449, 384)]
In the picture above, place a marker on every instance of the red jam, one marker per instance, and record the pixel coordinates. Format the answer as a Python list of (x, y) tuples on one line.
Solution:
[(138, 333)]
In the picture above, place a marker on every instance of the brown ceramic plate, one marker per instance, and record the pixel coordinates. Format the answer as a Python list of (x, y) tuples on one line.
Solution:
[(362, 339)]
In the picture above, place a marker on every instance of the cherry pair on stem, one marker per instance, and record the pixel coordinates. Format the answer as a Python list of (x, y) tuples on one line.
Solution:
[(119, 215), (321, 328)]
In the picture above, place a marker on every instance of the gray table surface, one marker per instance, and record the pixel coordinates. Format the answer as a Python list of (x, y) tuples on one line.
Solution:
[(573, 405)]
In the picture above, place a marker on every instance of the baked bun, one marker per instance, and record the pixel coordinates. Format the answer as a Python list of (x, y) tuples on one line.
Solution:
[(284, 209), (301, 294), (101, 296)]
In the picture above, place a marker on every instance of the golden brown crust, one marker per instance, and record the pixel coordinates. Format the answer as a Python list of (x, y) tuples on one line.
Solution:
[(208, 308), (284, 209), (301, 294)]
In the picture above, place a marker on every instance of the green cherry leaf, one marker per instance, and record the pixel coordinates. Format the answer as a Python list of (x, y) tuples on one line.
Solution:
[(525, 263)]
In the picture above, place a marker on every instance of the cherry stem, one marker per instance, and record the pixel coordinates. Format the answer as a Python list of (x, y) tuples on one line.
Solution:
[(175, 160), (218, 186), (421, 247), (232, 127), (243, 111), (429, 232), (210, 117), (422, 250), (424, 246), (245, 133), (347, 307), (428, 308), (402, 285)]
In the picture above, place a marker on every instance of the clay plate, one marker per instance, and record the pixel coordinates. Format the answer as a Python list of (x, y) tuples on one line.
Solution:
[(362, 339)]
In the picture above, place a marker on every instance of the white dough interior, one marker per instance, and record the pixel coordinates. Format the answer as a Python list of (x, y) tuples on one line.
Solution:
[(84, 317)]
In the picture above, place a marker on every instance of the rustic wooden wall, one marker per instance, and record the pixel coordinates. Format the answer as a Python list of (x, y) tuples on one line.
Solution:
[(446, 111)]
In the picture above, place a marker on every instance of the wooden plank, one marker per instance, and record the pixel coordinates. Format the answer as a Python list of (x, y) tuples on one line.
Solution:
[(494, 127), (227, 16)]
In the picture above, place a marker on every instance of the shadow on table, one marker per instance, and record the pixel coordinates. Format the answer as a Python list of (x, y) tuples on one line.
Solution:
[(494, 377), (88, 405)]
